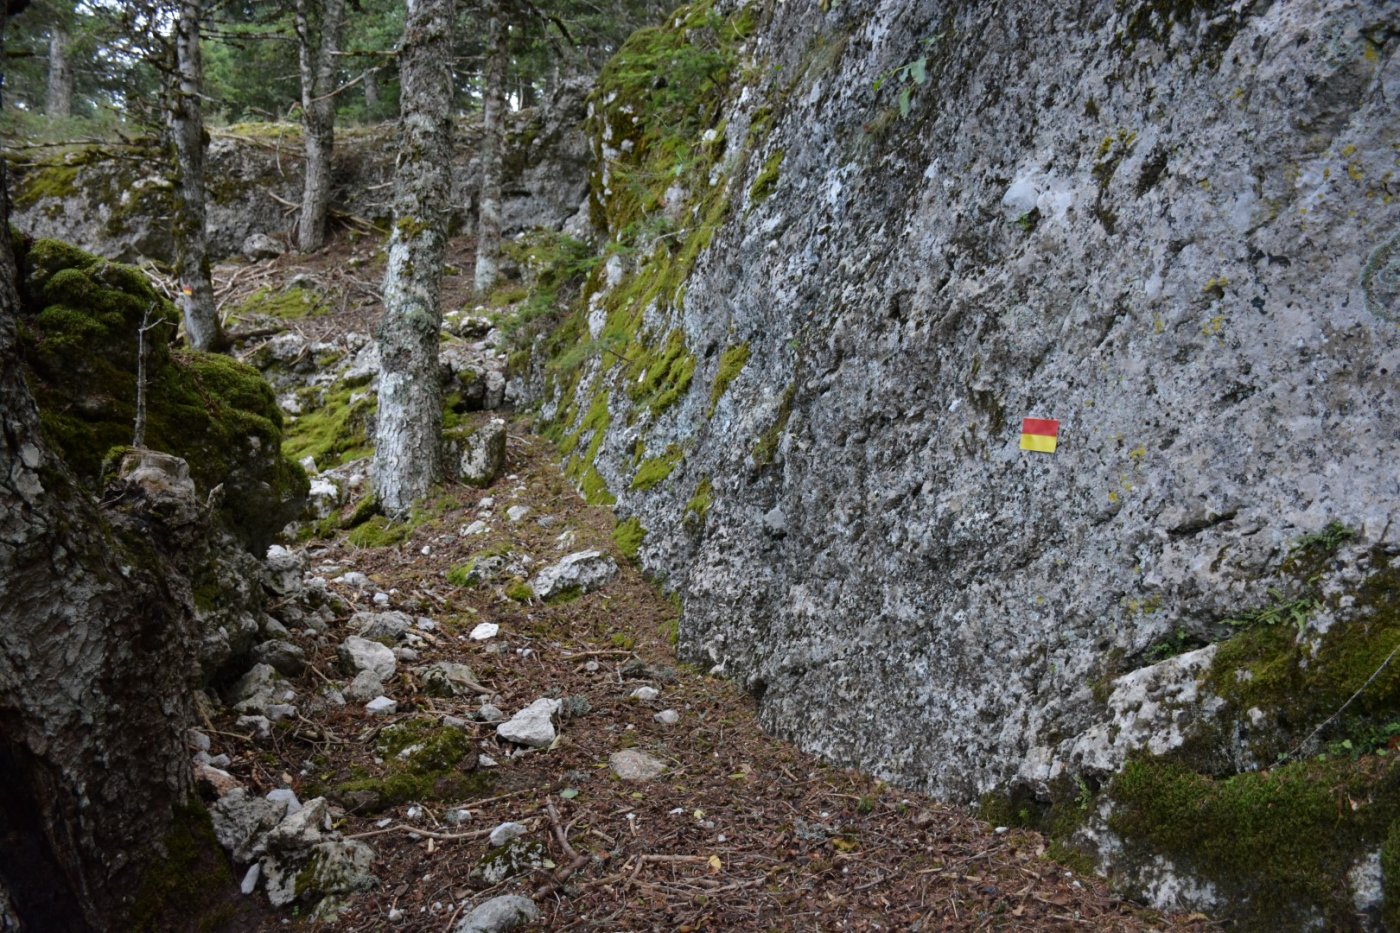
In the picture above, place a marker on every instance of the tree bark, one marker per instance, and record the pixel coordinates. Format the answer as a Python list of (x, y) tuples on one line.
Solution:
[(408, 437), (202, 327), (488, 225), (59, 102), (370, 83), (317, 61), (95, 669)]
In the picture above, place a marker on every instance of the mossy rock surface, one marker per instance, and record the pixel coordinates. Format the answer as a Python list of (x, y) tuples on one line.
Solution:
[(1279, 843), (81, 320), (423, 761)]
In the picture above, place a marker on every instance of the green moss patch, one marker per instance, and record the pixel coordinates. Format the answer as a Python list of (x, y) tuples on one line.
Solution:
[(1279, 842), (1303, 683), (79, 347), (423, 761), (700, 502), (731, 364), (334, 430), (189, 886), (767, 447), (664, 376), (628, 536), (767, 180), (290, 304), (656, 470)]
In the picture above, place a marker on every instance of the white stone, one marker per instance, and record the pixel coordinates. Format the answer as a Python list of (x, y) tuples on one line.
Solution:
[(533, 726), (633, 765), (583, 571), (499, 915), (250, 878), (361, 654), (286, 798), (381, 706), (505, 833)]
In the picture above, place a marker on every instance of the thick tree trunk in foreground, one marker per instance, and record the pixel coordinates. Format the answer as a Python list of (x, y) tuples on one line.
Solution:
[(95, 663), (488, 226), (59, 101), (408, 436), (187, 128), (317, 61)]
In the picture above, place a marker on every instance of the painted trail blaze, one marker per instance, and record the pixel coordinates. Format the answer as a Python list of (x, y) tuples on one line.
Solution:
[(1039, 434)]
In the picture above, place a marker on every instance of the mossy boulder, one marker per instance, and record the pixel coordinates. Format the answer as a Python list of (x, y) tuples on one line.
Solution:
[(423, 761), (82, 322)]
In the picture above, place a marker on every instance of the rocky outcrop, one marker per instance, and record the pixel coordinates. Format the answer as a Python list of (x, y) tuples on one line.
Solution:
[(118, 201), (1170, 227)]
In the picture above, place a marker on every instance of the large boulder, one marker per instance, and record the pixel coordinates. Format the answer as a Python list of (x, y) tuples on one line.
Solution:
[(83, 321)]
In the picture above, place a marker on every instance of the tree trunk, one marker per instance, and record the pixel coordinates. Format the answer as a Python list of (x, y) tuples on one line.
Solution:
[(488, 224), (59, 102), (95, 670), (408, 435), (371, 89), (187, 128), (317, 61)]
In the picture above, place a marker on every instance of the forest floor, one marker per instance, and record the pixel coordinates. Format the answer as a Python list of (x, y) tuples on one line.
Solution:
[(742, 830)]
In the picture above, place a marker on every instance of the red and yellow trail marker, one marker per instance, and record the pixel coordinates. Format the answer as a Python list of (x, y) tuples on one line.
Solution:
[(1039, 434)]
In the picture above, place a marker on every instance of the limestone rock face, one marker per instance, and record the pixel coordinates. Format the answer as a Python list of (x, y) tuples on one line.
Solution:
[(1172, 230)]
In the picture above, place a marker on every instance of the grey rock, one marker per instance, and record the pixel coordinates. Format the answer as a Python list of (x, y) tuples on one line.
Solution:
[(324, 497), (385, 627), (258, 246), (280, 711), (582, 572), (940, 602), (533, 726), (366, 686), (259, 726), (633, 765), (300, 830), (361, 654), (242, 821), (256, 690), (478, 456), (505, 832), (284, 570), (500, 914), (515, 857), (286, 798), (329, 867), (356, 579), (162, 484), (197, 740), (448, 679), (286, 658)]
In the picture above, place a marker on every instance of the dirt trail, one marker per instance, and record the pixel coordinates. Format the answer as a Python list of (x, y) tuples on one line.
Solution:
[(741, 831)]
